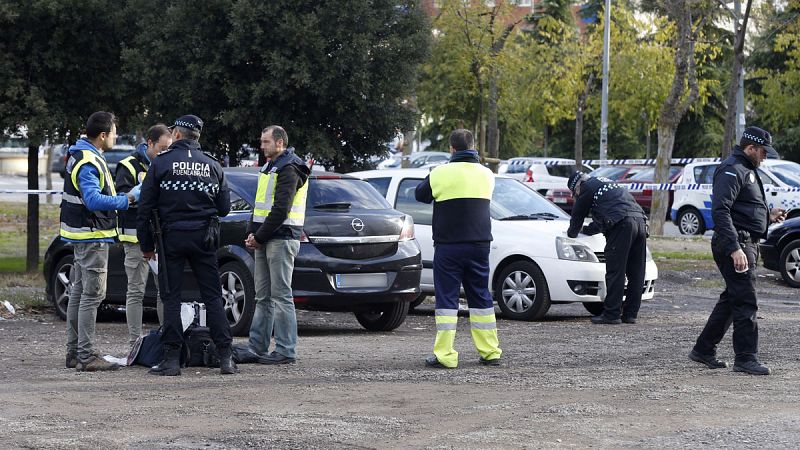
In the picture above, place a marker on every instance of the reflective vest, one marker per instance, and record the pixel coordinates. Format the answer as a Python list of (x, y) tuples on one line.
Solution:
[(462, 192), (127, 222), (77, 222), (265, 197)]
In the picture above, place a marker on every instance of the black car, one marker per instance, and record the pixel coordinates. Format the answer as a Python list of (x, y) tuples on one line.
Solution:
[(357, 254), (781, 250)]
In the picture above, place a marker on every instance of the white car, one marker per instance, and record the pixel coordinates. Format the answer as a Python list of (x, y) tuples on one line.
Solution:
[(533, 263), (540, 177), (691, 210)]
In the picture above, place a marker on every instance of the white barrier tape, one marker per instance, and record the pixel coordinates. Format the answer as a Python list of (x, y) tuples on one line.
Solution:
[(28, 191), (660, 187), (620, 162)]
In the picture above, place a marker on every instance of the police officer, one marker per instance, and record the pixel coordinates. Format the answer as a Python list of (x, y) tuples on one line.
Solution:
[(623, 222), (189, 191), (462, 231), (130, 173), (741, 217)]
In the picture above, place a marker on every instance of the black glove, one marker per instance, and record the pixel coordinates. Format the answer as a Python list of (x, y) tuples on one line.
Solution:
[(211, 239), (590, 229)]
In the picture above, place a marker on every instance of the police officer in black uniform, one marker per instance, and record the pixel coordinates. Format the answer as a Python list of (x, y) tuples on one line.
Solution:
[(189, 191), (623, 222), (741, 217)]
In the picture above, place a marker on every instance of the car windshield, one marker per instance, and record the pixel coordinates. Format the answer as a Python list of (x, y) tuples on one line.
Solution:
[(338, 192), (785, 173), (513, 200), (612, 173)]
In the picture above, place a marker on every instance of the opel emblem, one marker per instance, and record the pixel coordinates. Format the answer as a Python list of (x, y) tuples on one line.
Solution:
[(357, 224)]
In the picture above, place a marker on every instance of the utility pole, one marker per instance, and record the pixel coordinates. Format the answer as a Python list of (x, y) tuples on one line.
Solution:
[(604, 106), (740, 119)]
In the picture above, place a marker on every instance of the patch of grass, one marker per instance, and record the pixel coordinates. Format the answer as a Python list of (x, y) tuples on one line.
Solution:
[(13, 232), (711, 283), (681, 265), (25, 291), (683, 255)]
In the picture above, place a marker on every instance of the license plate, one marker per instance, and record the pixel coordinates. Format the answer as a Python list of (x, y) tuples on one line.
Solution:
[(361, 280), (559, 200)]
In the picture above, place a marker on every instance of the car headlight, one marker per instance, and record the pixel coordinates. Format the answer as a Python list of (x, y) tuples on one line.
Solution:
[(572, 250), (649, 256)]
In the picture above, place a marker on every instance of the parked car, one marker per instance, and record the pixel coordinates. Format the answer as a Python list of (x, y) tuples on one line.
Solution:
[(357, 254), (540, 176), (644, 197), (117, 154), (691, 210), (430, 159), (59, 162), (562, 196), (532, 263), (781, 250)]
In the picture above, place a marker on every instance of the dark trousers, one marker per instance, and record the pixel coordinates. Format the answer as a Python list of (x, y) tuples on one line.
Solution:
[(181, 246), (737, 304), (626, 253), (465, 264)]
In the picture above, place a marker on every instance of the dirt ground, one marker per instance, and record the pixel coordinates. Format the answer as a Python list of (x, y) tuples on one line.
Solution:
[(565, 384)]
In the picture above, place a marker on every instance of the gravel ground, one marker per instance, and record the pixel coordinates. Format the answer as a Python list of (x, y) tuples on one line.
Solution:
[(565, 383)]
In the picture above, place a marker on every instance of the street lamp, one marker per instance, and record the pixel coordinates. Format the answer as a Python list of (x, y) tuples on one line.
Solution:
[(604, 106)]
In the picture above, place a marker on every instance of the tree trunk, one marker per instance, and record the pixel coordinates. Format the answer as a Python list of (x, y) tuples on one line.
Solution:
[(546, 138), (579, 136), (738, 62), (647, 140), (675, 105), (32, 259), (493, 131)]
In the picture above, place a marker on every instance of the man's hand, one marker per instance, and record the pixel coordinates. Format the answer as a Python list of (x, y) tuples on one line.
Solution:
[(740, 263), (131, 198), (149, 255), (251, 242), (777, 215)]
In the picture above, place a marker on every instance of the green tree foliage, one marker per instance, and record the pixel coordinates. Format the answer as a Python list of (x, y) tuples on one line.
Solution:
[(333, 73)]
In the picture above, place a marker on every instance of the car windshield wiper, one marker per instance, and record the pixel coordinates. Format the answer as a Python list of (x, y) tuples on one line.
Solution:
[(337, 205), (534, 216)]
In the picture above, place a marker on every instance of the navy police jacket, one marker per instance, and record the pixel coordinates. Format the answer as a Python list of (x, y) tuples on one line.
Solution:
[(186, 186), (737, 202), (607, 201)]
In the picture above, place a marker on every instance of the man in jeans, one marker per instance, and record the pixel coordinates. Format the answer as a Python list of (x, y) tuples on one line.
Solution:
[(274, 236), (130, 173), (89, 223)]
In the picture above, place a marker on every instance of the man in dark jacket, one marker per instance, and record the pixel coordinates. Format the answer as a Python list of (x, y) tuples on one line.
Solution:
[(188, 190), (623, 222), (461, 192), (274, 236), (741, 217), (130, 173)]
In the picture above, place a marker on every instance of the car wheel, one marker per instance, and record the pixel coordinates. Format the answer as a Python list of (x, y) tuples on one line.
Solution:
[(790, 263), (594, 308), (417, 301), (238, 296), (521, 292), (383, 316), (61, 284), (690, 222)]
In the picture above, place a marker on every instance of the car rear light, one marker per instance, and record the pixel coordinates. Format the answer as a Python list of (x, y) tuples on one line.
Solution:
[(407, 233), (529, 175), (303, 237), (647, 192)]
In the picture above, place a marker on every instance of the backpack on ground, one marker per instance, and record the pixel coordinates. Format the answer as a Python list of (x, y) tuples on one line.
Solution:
[(202, 351)]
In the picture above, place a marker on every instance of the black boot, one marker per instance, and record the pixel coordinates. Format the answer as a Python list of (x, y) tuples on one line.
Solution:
[(226, 364), (170, 366)]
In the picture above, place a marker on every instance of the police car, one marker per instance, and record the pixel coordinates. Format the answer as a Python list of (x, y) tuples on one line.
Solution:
[(533, 263), (691, 210)]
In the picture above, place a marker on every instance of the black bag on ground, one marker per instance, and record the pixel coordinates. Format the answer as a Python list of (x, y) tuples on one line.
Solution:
[(147, 350), (202, 351)]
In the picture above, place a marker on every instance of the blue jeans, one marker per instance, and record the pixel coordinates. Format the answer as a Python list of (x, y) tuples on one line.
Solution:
[(274, 313)]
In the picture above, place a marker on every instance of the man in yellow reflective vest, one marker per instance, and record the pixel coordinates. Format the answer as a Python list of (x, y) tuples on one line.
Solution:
[(462, 232), (89, 223), (130, 173), (274, 236)]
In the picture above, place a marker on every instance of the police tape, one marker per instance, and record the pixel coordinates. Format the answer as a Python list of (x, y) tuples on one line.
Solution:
[(29, 191), (658, 187), (619, 162)]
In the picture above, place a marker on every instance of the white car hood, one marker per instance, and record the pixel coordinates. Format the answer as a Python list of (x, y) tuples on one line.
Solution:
[(524, 230)]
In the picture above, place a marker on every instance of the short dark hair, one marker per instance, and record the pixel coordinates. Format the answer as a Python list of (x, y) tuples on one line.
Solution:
[(188, 133), (156, 131), (461, 139), (277, 133), (100, 122)]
